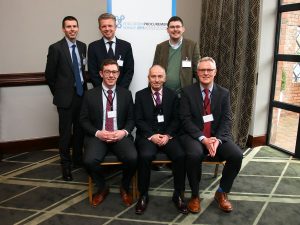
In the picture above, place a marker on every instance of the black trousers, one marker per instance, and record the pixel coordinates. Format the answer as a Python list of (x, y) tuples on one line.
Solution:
[(195, 153), (146, 154), (95, 151), (68, 125)]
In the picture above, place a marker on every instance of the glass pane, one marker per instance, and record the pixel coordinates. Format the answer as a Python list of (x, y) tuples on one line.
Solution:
[(287, 87), (286, 2), (284, 129), (289, 40)]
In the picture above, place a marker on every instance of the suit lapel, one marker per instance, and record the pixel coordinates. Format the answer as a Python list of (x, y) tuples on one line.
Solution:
[(99, 102), (198, 97), (117, 50), (214, 98), (66, 51)]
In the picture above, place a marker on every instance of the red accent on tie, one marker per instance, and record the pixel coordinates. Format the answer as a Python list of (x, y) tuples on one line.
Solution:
[(109, 122), (206, 111)]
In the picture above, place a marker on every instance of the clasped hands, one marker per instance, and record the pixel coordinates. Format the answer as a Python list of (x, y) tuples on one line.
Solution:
[(111, 136), (160, 139), (211, 145)]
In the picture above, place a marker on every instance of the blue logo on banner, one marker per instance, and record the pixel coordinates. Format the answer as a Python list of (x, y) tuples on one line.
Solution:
[(119, 20)]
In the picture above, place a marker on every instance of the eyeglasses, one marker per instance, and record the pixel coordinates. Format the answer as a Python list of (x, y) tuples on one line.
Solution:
[(108, 72), (206, 70), (173, 27)]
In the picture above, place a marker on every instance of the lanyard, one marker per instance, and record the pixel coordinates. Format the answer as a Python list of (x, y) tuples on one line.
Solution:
[(108, 100)]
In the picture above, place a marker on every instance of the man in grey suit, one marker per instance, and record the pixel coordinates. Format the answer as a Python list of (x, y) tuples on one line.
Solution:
[(178, 56), (107, 118), (65, 76), (206, 120)]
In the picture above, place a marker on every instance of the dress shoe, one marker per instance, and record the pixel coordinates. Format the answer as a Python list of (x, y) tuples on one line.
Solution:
[(66, 174), (126, 197), (194, 205), (99, 197), (180, 204), (223, 202), (141, 205)]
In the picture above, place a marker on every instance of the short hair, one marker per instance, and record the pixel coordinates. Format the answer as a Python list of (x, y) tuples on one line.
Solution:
[(105, 16), (207, 58), (106, 62), (175, 18), (156, 65), (72, 18)]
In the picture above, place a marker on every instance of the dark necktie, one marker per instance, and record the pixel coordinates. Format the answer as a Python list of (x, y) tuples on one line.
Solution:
[(110, 52), (109, 122), (207, 125), (79, 88), (157, 99)]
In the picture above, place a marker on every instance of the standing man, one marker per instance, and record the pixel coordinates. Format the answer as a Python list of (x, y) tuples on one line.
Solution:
[(110, 47), (206, 119), (107, 119), (178, 56), (157, 125), (65, 76)]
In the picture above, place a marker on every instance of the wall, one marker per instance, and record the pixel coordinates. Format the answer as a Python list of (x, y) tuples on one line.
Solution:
[(27, 29)]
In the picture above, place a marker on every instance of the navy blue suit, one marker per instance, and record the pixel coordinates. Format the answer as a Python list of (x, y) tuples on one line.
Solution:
[(97, 53)]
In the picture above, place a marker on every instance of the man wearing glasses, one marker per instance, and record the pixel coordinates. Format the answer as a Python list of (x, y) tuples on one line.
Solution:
[(107, 119), (206, 120), (178, 56)]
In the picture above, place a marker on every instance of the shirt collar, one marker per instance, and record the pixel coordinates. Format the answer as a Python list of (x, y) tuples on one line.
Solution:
[(70, 43), (106, 89), (113, 40), (160, 91), (177, 45), (210, 89)]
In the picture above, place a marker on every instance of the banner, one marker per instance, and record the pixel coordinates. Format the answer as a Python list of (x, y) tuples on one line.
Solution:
[(143, 24)]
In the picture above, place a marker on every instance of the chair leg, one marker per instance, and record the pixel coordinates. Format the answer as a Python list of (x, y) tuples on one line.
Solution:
[(90, 189), (216, 170), (135, 193)]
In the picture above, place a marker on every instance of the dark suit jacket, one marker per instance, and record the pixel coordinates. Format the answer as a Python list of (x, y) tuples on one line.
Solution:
[(97, 53), (59, 72), (144, 111), (91, 115), (191, 111), (189, 49)]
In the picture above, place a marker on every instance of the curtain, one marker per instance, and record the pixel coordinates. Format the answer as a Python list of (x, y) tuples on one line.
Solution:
[(229, 33)]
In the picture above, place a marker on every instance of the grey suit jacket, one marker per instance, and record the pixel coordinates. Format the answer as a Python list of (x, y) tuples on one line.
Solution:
[(191, 111), (59, 72), (91, 115), (189, 50)]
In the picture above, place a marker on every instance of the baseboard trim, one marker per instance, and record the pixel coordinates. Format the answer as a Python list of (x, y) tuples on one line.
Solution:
[(29, 145), (256, 141)]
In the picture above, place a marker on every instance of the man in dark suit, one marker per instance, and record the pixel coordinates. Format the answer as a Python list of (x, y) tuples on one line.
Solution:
[(110, 47), (178, 56), (157, 124), (107, 119), (65, 76), (206, 119)]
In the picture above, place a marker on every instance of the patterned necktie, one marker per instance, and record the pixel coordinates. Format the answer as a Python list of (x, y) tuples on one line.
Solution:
[(206, 111), (79, 88), (157, 99), (110, 52), (109, 122)]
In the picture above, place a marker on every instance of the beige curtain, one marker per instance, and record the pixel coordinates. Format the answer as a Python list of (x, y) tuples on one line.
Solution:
[(229, 34)]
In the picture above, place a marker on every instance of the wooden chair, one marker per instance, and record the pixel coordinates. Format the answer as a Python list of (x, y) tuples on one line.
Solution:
[(161, 158)]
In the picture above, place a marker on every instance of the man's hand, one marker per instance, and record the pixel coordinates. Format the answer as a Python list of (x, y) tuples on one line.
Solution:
[(111, 136), (211, 145), (160, 139)]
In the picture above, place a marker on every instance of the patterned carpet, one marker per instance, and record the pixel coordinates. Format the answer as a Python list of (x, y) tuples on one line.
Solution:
[(267, 191)]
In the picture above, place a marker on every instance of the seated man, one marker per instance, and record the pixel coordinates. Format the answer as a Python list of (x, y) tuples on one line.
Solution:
[(206, 119), (157, 123), (107, 119)]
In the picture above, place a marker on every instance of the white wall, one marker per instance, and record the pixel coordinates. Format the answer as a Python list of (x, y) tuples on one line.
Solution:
[(265, 64)]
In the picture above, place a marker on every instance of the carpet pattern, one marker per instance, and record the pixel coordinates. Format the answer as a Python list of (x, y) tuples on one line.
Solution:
[(267, 191)]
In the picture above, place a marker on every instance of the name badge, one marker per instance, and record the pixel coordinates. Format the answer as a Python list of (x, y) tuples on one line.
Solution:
[(112, 114), (186, 63), (120, 61), (208, 118), (160, 118), (84, 61)]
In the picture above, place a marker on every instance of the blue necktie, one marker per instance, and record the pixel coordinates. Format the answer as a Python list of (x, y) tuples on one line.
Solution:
[(79, 88)]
